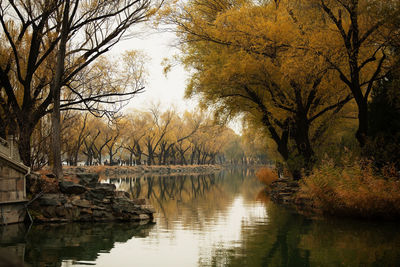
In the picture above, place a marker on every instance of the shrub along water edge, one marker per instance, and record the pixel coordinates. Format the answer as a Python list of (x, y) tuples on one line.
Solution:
[(355, 189)]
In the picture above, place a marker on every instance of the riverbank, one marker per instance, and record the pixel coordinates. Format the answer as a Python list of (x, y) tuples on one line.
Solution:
[(82, 198), (353, 191), (141, 169), (287, 192)]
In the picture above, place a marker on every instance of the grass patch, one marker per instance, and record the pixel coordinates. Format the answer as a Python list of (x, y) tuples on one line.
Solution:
[(354, 190)]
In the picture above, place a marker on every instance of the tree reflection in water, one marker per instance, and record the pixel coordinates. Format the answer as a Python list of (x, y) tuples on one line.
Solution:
[(221, 219), (282, 238), (51, 244), (196, 193)]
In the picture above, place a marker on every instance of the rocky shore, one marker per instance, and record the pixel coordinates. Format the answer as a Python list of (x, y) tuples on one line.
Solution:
[(286, 192), (82, 198)]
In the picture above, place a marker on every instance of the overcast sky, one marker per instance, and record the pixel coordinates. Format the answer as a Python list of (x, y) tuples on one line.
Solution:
[(168, 90)]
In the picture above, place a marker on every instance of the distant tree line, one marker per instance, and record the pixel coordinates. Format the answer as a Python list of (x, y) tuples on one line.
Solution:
[(151, 137)]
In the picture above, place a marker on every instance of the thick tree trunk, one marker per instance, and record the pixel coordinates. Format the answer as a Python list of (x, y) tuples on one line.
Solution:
[(57, 83), (303, 144), (362, 131), (24, 144)]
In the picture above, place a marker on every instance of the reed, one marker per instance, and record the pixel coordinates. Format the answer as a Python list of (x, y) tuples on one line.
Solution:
[(355, 190)]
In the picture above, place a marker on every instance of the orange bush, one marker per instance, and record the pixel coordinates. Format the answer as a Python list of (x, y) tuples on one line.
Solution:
[(354, 190), (266, 176)]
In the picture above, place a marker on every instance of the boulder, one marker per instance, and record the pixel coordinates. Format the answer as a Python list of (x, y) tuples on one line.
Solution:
[(83, 203), (72, 188), (101, 191), (99, 202), (88, 179), (106, 189), (100, 215), (121, 206), (122, 194), (49, 212), (139, 201), (61, 212), (52, 200)]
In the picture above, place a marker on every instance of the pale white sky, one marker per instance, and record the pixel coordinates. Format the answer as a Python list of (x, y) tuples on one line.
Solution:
[(168, 90)]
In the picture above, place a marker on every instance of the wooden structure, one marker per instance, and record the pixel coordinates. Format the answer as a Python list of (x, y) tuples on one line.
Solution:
[(12, 183)]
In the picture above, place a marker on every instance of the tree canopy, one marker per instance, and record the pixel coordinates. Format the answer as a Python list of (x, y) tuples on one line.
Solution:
[(31, 39), (289, 66)]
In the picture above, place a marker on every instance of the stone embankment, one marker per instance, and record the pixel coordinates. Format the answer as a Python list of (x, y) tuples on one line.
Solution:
[(88, 200), (81, 197)]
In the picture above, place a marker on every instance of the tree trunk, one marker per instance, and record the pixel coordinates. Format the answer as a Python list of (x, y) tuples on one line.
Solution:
[(24, 144), (303, 144), (56, 117), (362, 131)]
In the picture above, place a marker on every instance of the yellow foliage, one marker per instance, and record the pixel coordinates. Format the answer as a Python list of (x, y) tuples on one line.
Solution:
[(353, 190), (267, 176)]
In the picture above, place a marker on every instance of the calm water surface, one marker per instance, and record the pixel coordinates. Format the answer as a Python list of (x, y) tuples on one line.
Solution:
[(207, 220)]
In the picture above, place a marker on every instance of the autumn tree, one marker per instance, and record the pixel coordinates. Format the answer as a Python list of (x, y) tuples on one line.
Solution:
[(74, 138), (32, 32), (355, 38), (135, 130), (246, 60), (159, 124)]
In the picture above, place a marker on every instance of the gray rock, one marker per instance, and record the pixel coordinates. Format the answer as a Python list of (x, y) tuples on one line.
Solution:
[(121, 206), (49, 212), (144, 217), (61, 211), (122, 194), (88, 179), (148, 209), (105, 187), (95, 195), (101, 191), (139, 201), (83, 203), (52, 200), (98, 208), (72, 188)]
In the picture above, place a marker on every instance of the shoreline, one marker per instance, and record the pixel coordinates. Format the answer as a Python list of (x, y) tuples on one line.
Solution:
[(81, 197), (287, 193), (142, 169)]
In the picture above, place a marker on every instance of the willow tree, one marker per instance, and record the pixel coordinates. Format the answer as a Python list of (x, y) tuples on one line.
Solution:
[(31, 37), (355, 37), (246, 58)]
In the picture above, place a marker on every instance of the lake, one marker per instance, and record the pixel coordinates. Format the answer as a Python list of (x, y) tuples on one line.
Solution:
[(222, 219)]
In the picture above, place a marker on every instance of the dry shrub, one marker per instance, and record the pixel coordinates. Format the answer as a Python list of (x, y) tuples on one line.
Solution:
[(41, 184), (266, 176), (354, 190)]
